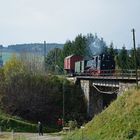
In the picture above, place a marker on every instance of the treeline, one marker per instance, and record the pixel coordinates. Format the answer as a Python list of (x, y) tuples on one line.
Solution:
[(37, 97), (87, 46), (80, 46), (31, 47), (34, 47), (126, 60)]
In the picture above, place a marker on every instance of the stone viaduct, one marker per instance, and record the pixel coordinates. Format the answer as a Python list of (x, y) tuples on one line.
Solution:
[(99, 92)]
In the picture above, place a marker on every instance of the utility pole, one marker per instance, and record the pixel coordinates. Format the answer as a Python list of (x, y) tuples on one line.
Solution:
[(55, 60), (45, 56), (135, 56), (63, 103), (1, 61)]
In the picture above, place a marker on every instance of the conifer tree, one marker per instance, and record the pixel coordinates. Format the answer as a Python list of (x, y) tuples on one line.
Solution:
[(123, 59)]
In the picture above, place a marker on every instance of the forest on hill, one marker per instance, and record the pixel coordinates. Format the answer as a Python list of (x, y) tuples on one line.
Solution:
[(31, 47)]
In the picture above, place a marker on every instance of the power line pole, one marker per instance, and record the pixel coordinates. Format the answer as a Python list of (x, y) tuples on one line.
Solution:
[(63, 103), (45, 56), (55, 60), (1, 61), (135, 56)]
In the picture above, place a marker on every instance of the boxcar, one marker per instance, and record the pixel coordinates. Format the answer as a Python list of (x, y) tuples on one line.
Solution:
[(69, 63)]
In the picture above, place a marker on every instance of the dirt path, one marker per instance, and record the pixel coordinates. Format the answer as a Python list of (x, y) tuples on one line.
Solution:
[(34, 136)]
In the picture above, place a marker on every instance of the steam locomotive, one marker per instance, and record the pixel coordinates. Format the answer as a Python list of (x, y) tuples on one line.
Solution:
[(102, 64)]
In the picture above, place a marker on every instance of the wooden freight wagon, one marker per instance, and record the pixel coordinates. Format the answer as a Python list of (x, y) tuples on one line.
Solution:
[(69, 63)]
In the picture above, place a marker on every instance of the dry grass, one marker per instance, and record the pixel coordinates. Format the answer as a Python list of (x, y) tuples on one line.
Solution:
[(5, 137)]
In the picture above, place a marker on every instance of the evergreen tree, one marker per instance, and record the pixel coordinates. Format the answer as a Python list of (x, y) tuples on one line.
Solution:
[(131, 59), (123, 59), (111, 50), (68, 49), (80, 45), (137, 57), (103, 46), (53, 61)]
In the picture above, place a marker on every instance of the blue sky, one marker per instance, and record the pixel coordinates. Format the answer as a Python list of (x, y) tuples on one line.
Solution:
[(26, 21)]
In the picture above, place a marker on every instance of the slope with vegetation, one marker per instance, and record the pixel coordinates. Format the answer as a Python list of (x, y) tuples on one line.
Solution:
[(38, 97), (9, 123), (120, 121)]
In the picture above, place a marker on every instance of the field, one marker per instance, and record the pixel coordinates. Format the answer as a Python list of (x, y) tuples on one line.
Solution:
[(6, 56), (30, 56)]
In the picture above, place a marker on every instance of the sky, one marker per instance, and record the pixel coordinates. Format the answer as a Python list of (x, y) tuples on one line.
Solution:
[(33, 21)]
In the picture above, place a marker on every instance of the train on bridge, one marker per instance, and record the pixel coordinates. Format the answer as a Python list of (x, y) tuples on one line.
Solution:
[(102, 64)]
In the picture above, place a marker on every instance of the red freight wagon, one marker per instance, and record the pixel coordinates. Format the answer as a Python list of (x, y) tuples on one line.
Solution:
[(69, 62)]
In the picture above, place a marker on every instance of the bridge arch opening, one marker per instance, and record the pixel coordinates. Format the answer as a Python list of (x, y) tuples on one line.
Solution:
[(99, 100), (108, 98)]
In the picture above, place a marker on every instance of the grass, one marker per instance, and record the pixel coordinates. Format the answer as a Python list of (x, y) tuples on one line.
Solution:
[(9, 123), (120, 121), (5, 137)]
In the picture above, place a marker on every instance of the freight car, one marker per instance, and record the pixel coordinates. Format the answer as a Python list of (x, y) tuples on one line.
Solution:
[(103, 64), (69, 63)]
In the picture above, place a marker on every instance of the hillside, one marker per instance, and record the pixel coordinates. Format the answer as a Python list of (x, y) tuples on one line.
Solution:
[(9, 123), (36, 49), (120, 121), (31, 47)]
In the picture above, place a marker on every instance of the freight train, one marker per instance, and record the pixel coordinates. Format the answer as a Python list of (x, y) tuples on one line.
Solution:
[(102, 64)]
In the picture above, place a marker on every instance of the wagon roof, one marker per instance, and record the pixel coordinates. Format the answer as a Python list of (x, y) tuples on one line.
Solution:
[(70, 56)]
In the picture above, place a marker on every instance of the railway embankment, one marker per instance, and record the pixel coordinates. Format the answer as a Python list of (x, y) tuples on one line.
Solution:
[(16, 124), (120, 121)]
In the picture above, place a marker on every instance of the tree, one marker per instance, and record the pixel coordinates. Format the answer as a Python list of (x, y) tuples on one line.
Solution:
[(138, 59), (103, 46), (12, 67), (53, 61), (111, 50), (32, 61), (80, 45), (68, 49), (131, 59), (123, 59), (39, 97)]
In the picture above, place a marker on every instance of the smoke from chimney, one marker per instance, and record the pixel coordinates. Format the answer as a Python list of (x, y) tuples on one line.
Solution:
[(95, 45)]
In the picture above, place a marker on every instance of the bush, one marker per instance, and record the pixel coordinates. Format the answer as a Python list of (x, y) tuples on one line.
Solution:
[(72, 124), (37, 97)]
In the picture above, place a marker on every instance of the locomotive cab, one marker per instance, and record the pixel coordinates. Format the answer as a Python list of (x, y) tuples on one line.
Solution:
[(103, 64)]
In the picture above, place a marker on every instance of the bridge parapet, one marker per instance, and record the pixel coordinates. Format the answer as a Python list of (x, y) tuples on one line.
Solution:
[(126, 73), (114, 74)]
